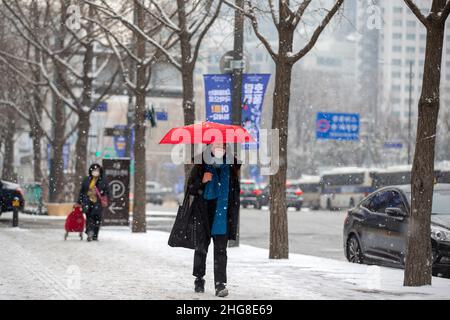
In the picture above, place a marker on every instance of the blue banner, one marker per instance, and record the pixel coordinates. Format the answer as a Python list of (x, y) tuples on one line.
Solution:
[(102, 107), (337, 126), (218, 89), (218, 98), (162, 116), (120, 143), (253, 90)]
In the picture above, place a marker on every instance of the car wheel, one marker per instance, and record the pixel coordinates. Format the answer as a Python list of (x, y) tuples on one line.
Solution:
[(354, 253), (244, 206)]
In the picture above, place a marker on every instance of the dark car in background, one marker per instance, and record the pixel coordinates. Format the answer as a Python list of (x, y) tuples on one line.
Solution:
[(156, 194), (294, 197), (250, 191), (9, 191), (375, 230)]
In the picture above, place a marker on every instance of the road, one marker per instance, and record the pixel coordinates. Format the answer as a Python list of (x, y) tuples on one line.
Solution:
[(316, 233)]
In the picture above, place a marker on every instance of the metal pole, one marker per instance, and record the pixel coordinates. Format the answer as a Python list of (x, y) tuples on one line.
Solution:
[(237, 66), (15, 205), (409, 112)]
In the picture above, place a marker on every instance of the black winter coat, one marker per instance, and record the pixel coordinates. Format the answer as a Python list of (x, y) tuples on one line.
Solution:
[(195, 187), (83, 198)]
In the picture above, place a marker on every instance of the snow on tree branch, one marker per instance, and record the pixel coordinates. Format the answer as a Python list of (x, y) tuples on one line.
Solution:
[(412, 6), (317, 32)]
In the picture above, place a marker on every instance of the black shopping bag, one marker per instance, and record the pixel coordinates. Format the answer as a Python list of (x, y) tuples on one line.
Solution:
[(183, 230)]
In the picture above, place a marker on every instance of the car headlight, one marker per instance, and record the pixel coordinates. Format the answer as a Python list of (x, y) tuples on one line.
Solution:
[(440, 234)]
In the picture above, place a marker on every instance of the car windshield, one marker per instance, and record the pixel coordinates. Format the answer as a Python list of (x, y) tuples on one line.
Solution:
[(292, 188), (441, 202), (247, 186), (310, 187)]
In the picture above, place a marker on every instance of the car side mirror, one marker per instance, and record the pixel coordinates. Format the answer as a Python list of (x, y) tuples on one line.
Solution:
[(396, 212)]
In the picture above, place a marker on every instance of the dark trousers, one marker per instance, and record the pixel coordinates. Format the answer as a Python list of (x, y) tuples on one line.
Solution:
[(220, 253), (220, 260), (93, 218)]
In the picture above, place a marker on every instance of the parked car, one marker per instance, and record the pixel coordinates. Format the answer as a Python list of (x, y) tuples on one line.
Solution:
[(293, 196), (154, 193), (375, 230), (8, 191), (250, 191)]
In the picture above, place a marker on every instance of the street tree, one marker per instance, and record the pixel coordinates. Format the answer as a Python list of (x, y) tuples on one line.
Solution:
[(140, 41), (418, 268), (286, 20)]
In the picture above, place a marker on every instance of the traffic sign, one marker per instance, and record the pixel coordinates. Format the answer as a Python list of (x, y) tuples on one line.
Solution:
[(337, 126), (228, 64), (393, 145), (117, 172)]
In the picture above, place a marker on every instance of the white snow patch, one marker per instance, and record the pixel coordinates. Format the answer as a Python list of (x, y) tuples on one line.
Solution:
[(123, 265)]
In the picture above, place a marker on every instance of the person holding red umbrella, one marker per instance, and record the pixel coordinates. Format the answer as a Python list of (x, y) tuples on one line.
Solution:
[(215, 186), (212, 199)]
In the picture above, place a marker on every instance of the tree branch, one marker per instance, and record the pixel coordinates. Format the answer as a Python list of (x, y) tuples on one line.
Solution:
[(316, 33), (412, 6)]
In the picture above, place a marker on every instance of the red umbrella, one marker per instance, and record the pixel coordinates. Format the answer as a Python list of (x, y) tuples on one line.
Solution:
[(207, 132)]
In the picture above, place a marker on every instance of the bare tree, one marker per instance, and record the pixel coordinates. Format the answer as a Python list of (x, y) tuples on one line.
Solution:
[(189, 21), (72, 86), (418, 269), (286, 20), (149, 44)]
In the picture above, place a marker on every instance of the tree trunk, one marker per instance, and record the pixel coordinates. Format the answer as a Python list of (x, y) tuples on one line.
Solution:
[(56, 183), (139, 221), (36, 130), (279, 237), (187, 74), (418, 269), (81, 148), (36, 134), (84, 124), (188, 109), (8, 159), (57, 162)]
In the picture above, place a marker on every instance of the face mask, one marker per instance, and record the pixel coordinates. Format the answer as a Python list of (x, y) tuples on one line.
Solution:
[(219, 153), (95, 173)]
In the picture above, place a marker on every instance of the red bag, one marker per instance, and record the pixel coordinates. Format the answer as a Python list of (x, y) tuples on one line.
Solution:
[(103, 199), (75, 221)]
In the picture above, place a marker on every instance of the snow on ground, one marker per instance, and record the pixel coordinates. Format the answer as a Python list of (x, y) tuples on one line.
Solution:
[(38, 264)]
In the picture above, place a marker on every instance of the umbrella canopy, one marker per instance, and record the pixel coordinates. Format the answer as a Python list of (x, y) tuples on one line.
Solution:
[(207, 132)]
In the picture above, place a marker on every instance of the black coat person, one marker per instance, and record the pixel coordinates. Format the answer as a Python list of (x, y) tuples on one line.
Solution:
[(92, 186), (200, 219)]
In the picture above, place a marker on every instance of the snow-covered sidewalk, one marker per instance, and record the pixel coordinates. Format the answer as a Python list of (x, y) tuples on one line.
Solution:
[(38, 264)]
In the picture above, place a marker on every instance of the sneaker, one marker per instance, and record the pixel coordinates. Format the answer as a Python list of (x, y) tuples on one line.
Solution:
[(221, 290), (90, 236), (199, 285)]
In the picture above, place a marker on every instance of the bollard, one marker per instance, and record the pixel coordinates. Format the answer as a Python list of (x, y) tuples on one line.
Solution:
[(16, 205)]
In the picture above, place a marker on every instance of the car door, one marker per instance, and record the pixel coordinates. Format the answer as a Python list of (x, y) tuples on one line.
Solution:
[(373, 228), (397, 228)]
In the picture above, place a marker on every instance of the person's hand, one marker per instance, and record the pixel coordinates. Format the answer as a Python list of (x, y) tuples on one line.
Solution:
[(207, 176)]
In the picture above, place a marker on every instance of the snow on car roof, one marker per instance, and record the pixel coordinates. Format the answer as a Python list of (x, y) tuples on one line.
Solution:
[(405, 167), (437, 186), (443, 165), (346, 170), (308, 179)]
